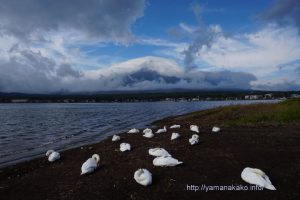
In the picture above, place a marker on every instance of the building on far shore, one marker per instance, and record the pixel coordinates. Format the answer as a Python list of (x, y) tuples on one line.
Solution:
[(295, 95), (19, 100), (269, 96), (253, 97)]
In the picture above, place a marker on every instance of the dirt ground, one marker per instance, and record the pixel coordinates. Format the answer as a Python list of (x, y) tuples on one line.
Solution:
[(217, 160)]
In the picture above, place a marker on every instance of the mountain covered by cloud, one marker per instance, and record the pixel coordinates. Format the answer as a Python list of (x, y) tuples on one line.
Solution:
[(145, 72)]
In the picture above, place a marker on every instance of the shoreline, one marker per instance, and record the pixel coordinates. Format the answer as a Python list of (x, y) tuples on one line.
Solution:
[(217, 160), (38, 154)]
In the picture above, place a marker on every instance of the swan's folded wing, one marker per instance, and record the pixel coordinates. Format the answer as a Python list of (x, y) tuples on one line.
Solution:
[(88, 166)]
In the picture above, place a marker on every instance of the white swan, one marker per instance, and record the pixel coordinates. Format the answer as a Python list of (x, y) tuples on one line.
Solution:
[(115, 138), (90, 164), (52, 155), (216, 129), (175, 126), (164, 161), (162, 130), (194, 139), (143, 177), (257, 177), (148, 133), (194, 128), (157, 152), (175, 136), (125, 147), (134, 130)]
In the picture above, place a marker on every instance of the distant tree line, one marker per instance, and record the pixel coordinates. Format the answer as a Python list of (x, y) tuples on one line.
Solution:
[(136, 96)]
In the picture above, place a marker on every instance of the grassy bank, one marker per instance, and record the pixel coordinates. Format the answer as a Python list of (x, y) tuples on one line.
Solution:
[(255, 114)]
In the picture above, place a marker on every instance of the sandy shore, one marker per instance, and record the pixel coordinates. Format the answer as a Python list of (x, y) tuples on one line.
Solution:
[(216, 161)]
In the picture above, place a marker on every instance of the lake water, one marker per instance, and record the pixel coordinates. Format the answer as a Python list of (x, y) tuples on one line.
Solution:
[(29, 130)]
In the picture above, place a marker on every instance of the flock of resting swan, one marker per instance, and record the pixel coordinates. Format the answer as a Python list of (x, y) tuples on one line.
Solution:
[(164, 159)]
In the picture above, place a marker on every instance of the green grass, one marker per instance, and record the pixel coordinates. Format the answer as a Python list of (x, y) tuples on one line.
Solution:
[(287, 111), (284, 112)]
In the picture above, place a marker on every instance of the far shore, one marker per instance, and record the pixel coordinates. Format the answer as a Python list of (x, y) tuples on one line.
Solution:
[(260, 136)]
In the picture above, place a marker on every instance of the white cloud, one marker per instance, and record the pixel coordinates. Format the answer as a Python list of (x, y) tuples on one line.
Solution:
[(187, 28), (261, 52)]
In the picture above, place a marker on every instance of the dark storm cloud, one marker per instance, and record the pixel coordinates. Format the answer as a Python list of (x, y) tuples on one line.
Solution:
[(103, 19), (284, 11)]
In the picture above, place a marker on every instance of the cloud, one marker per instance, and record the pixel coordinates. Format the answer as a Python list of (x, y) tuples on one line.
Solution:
[(286, 85), (19, 74), (260, 52), (284, 12), (202, 35), (66, 70), (105, 20), (297, 70), (27, 71)]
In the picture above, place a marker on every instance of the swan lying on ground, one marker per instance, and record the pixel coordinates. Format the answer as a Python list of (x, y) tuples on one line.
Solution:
[(165, 161), (134, 130), (148, 133), (175, 136), (143, 177), (157, 152), (257, 177), (115, 138), (162, 130), (90, 165), (52, 155), (125, 147), (194, 128), (175, 126), (216, 129), (194, 139)]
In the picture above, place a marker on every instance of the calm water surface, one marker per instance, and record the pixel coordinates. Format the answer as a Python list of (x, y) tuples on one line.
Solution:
[(28, 130)]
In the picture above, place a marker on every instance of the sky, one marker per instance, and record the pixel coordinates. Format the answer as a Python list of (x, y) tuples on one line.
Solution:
[(106, 45)]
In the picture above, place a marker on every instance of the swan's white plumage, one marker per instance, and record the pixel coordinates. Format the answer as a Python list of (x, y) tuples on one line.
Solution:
[(148, 133), (143, 177), (166, 161), (174, 136), (157, 152), (115, 138), (216, 129), (90, 164), (257, 177), (125, 147), (134, 130), (175, 126), (194, 139), (52, 155), (194, 128), (162, 130)]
